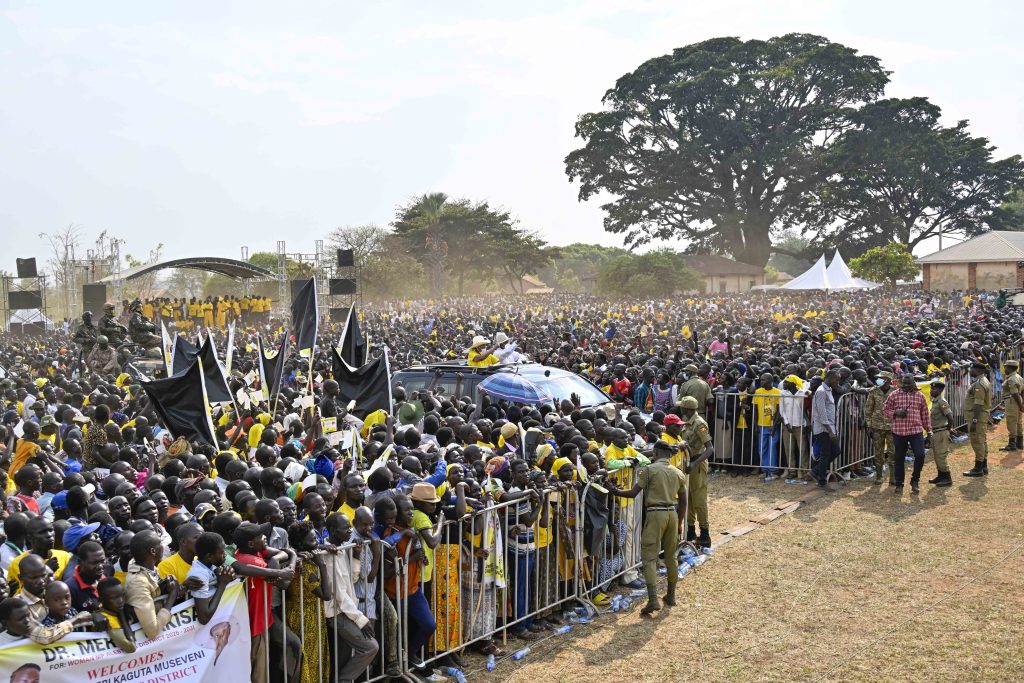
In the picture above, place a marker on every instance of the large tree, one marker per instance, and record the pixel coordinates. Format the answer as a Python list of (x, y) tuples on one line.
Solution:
[(460, 237), (652, 274), (903, 177), (719, 142)]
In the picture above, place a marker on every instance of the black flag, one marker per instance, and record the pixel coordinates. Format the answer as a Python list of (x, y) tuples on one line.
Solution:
[(181, 403), (369, 386), (352, 347), (216, 384), (272, 368), (305, 317), (182, 355)]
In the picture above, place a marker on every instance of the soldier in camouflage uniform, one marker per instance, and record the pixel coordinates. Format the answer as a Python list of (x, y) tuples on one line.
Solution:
[(879, 424)]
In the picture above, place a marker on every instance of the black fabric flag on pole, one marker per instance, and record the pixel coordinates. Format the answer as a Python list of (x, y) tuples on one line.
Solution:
[(216, 385), (369, 386), (305, 317), (272, 368), (353, 348), (181, 403), (182, 355)]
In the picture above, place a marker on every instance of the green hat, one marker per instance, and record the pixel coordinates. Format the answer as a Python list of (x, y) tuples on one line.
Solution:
[(690, 368), (410, 413), (688, 402)]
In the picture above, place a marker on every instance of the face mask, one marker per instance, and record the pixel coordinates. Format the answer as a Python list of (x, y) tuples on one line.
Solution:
[(880, 381)]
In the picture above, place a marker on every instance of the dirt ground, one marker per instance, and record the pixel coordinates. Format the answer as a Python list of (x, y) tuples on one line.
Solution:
[(857, 585)]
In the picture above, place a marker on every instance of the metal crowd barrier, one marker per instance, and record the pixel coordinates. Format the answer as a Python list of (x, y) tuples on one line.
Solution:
[(565, 557)]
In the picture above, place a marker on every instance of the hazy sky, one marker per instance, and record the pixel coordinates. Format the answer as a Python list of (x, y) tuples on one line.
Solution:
[(209, 125)]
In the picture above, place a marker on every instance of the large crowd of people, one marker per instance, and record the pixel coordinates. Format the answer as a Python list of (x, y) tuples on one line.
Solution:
[(504, 514)]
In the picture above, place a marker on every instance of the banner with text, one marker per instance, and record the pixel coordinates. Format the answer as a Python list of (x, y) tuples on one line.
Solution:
[(185, 651)]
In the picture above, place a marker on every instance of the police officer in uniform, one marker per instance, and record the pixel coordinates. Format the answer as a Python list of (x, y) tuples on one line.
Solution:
[(977, 406), (698, 441), (1013, 386), (942, 419), (664, 487)]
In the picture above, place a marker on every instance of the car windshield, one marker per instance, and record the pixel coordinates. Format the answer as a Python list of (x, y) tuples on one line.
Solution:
[(563, 386)]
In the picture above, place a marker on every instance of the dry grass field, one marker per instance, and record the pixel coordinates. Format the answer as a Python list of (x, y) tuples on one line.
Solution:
[(857, 585)]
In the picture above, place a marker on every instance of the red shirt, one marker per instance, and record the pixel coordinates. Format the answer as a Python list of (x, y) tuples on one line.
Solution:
[(29, 502), (917, 420), (260, 593)]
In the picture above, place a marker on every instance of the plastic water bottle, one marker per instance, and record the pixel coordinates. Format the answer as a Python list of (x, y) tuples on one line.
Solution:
[(638, 593), (699, 560), (616, 603), (455, 673), (490, 663), (684, 569), (582, 611), (562, 630), (579, 620), (707, 551), (626, 602), (520, 654)]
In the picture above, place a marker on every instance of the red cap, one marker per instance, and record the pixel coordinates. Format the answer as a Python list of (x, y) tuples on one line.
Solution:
[(671, 419)]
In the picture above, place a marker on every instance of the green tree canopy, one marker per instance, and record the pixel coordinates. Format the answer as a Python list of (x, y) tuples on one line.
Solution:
[(905, 178), (719, 142), (466, 240), (887, 263), (653, 274)]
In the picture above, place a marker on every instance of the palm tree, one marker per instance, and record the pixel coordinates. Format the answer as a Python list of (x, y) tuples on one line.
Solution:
[(431, 209)]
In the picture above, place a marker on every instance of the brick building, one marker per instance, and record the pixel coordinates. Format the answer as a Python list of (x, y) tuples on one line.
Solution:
[(992, 261)]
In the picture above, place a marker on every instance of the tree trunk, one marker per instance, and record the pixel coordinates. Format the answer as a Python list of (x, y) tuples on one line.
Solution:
[(757, 247), (462, 277)]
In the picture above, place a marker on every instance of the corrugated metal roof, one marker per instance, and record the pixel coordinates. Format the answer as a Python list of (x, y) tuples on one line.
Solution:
[(998, 245)]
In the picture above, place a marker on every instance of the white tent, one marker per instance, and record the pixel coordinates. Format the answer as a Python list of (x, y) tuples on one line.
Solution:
[(29, 316), (840, 277), (812, 278), (836, 276)]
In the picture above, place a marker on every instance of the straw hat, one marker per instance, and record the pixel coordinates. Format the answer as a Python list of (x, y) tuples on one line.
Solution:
[(424, 492), (500, 338), (478, 341)]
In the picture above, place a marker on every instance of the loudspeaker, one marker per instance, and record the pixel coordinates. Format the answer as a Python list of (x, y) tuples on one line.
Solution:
[(27, 267), (344, 285), (338, 315), (28, 299), (93, 298), (346, 259)]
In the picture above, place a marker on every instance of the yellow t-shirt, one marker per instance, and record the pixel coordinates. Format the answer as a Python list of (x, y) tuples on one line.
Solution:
[(678, 458), (476, 361), (348, 511), (766, 402), (174, 566), (421, 521), (14, 570)]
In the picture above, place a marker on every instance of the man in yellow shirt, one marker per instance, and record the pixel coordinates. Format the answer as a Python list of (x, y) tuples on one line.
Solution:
[(766, 403), (39, 534), (480, 354), (178, 564), (673, 435)]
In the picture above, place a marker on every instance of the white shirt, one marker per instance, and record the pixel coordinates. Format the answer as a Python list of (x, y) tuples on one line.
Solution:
[(791, 407), (343, 600)]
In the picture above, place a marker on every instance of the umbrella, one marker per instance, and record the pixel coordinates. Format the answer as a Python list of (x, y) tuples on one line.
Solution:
[(514, 387)]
